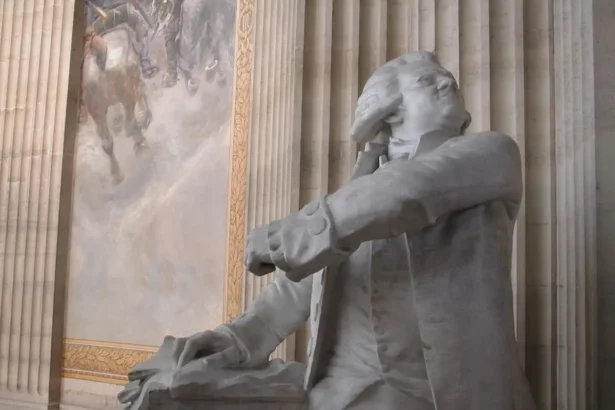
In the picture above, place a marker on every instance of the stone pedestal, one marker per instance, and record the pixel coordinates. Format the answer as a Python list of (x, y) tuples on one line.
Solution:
[(278, 386), (270, 398)]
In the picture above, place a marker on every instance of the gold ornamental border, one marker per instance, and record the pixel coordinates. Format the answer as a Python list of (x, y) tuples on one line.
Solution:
[(110, 362)]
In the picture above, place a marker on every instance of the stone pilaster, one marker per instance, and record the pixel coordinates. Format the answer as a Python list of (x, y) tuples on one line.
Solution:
[(344, 90), (575, 183), (540, 199), (604, 84), (35, 57), (274, 146)]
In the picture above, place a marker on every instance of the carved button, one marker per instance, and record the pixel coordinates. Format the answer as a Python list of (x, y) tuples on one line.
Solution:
[(311, 208), (317, 225)]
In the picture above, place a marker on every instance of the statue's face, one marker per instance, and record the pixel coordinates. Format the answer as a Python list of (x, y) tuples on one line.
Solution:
[(431, 101)]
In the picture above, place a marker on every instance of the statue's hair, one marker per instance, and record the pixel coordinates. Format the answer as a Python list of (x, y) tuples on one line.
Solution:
[(381, 96)]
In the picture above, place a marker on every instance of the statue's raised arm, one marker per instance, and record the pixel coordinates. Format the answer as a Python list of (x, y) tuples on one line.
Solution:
[(442, 172)]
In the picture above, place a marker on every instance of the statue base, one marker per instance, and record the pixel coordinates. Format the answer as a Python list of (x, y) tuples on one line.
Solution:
[(266, 398), (277, 386)]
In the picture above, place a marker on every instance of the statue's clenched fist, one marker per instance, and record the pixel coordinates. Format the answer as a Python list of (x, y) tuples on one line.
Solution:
[(257, 256)]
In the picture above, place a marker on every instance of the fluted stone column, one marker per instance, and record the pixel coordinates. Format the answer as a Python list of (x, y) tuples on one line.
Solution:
[(604, 84), (35, 57), (274, 145), (576, 204), (540, 199)]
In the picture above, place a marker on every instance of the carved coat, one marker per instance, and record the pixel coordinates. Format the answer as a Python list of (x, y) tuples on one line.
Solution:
[(456, 207)]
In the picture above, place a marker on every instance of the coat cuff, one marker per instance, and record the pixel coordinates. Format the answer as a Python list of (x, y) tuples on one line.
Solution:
[(274, 239), (305, 241)]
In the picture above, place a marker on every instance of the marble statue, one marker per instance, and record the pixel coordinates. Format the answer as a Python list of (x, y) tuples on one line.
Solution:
[(403, 273)]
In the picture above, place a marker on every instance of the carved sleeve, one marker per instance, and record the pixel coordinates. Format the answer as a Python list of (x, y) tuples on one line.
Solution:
[(403, 196), (279, 311)]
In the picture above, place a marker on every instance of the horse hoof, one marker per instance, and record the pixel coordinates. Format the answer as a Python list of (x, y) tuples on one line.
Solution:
[(147, 120), (118, 178), (169, 80), (150, 72), (117, 124), (141, 147), (193, 86)]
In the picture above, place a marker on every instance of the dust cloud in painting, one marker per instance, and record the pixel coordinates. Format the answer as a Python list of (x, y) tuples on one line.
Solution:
[(152, 165)]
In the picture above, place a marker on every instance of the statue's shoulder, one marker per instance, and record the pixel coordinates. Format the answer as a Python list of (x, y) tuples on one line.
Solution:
[(491, 141)]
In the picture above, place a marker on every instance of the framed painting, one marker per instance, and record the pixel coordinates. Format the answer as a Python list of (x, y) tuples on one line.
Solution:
[(158, 223)]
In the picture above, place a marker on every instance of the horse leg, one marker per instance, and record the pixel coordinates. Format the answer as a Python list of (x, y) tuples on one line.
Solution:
[(83, 111), (132, 128), (148, 112), (107, 144)]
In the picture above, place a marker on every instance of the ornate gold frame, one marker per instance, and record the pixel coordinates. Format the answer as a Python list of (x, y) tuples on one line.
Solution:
[(110, 362)]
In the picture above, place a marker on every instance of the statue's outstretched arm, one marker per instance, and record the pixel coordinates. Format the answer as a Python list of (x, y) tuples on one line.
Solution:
[(279, 311), (403, 196)]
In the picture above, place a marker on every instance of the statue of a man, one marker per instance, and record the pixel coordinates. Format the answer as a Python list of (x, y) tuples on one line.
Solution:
[(404, 272)]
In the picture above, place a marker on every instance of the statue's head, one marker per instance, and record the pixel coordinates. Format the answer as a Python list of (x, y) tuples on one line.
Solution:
[(413, 94)]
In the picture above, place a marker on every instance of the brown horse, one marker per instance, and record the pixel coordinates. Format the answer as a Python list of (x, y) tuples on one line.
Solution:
[(112, 75)]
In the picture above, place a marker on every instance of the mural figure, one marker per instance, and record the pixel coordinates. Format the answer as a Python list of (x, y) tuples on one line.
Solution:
[(106, 15), (194, 33), (125, 27), (111, 75)]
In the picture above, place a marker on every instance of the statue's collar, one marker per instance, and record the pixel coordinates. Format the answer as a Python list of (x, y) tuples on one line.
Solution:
[(410, 147)]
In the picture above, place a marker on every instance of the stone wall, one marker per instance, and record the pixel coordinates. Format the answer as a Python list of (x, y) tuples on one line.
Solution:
[(37, 128)]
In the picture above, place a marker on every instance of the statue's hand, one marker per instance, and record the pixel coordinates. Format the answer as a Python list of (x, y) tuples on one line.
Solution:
[(216, 349), (257, 256)]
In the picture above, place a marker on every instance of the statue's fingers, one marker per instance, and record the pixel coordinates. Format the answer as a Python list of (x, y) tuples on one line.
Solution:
[(227, 357), (190, 350), (179, 348), (259, 268), (145, 369), (204, 341), (130, 393)]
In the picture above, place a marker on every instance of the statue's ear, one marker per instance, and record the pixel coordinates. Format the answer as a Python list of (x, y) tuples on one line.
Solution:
[(466, 123)]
